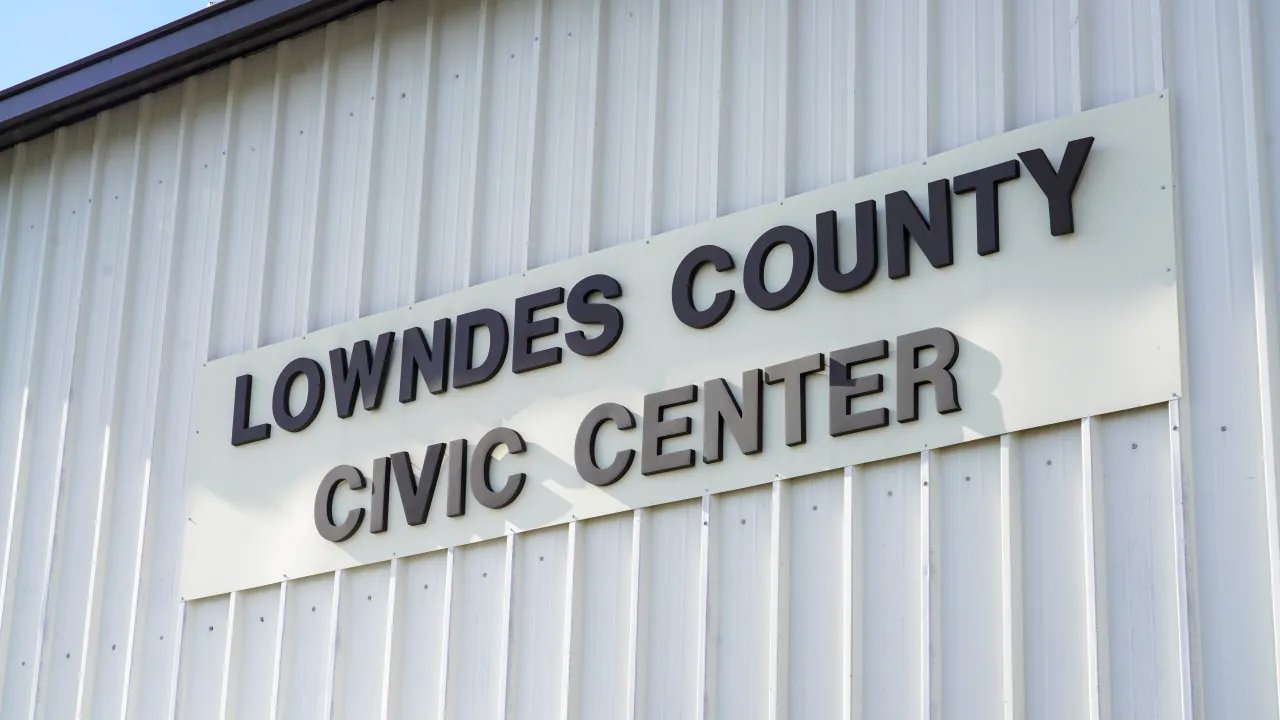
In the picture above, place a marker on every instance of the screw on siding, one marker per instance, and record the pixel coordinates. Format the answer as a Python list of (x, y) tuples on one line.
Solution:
[(1048, 462), (1133, 446), (484, 574), (966, 478), (926, 483), (1224, 428), (313, 608), (210, 628), (744, 521), (401, 96), (424, 587), (539, 558), (815, 507), (260, 619), (369, 597), (890, 493), (113, 647)]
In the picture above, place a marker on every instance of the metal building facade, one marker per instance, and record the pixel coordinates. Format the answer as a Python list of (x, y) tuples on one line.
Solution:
[(1124, 566)]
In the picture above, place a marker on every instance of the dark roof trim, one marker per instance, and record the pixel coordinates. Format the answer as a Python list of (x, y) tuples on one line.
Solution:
[(162, 57)]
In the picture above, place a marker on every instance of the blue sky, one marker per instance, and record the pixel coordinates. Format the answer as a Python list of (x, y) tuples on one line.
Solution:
[(37, 36)]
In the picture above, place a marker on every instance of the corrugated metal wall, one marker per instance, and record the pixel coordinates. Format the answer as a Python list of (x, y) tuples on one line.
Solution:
[(1071, 572)]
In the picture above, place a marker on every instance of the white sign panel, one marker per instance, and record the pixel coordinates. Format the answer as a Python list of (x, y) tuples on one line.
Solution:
[(878, 317)]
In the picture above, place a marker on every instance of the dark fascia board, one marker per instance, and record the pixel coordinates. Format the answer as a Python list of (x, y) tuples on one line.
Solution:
[(196, 43)]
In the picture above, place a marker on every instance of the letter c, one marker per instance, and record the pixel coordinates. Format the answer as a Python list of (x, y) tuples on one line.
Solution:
[(682, 287), (584, 445), (324, 504)]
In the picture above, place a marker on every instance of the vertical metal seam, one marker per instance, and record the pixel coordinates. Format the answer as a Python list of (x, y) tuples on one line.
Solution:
[(1088, 466), (11, 202), (442, 706), (28, 369), (1004, 65), (784, 95), (926, 79), (1012, 670), (655, 77), (1078, 58), (592, 143), (504, 640), (175, 679), (7, 240), (322, 153), (478, 125), (633, 676), (532, 156), (850, 676), (719, 46), (778, 592), (929, 640), (389, 637), (853, 104), (1263, 296), (260, 261), (170, 234), (91, 611), (362, 245), (1159, 47), (277, 666), (1180, 537), (572, 596), (331, 664), (702, 695), (228, 654), (59, 464), (419, 201)]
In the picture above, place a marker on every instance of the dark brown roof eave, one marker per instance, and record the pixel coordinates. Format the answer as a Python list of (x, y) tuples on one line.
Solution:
[(167, 55)]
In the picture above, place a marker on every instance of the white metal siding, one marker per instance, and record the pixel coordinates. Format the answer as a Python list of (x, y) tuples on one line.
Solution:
[(1126, 566)]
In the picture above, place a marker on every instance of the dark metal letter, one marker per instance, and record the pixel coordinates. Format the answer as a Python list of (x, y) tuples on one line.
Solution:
[(457, 478), (380, 487), (584, 445), (1059, 185), (523, 357), (932, 236), (419, 358), (682, 288), (416, 493), (284, 385), (845, 388), (986, 183), (656, 429), (481, 487), (720, 409), (792, 375), (589, 313), (241, 432), (938, 373), (329, 530), (463, 373), (368, 375), (801, 267), (829, 249)]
